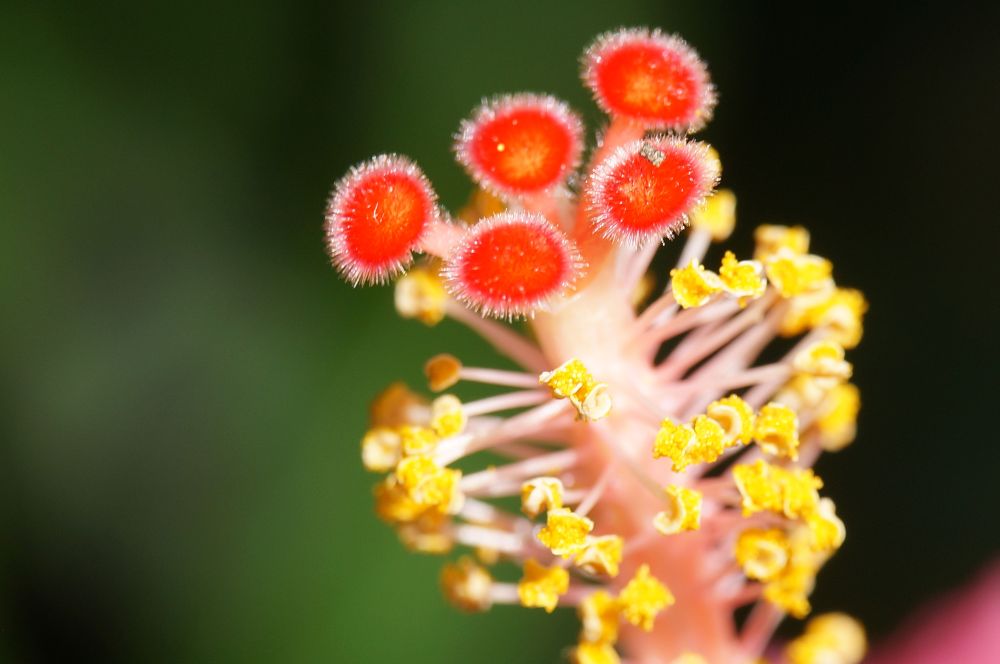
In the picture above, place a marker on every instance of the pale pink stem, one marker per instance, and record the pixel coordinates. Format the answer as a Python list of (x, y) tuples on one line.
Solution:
[(504, 339), (506, 401), (698, 241), (759, 395), (479, 512), (490, 538), (440, 237), (504, 593), (759, 628), (635, 264), (531, 422), (498, 377), (595, 493), (684, 321), (725, 382), (656, 313), (548, 464)]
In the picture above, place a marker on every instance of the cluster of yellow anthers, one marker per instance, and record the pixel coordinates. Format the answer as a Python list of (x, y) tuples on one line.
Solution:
[(663, 472)]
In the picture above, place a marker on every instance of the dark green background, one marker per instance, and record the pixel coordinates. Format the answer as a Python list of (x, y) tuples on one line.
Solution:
[(184, 379)]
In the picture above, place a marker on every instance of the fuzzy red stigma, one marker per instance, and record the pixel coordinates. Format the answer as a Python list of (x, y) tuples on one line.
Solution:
[(652, 78), (646, 188), (520, 144), (376, 217), (511, 264)]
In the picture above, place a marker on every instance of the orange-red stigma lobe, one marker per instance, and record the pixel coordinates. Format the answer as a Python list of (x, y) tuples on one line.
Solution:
[(647, 188), (652, 78), (511, 264), (377, 217), (521, 145)]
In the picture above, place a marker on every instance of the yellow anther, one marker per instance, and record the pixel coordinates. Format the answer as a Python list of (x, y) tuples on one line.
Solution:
[(825, 360), (594, 653), (541, 586), (381, 449), (772, 239), (447, 416), (841, 314), (837, 422), (683, 511), (573, 381), (794, 274), (540, 495), (832, 638), (601, 555), (777, 431), (481, 204), (429, 484), (790, 590), (644, 597), (762, 554), (673, 441), (742, 279), (827, 529), (792, 492), (395, 406), (467, 585), (693, 285), (416, 440), (735, 416), (717, 215), (599, 615), (442, 371), (393, 503), (802, 392), (565, 532), (689, 658), (420, 294), (428, 533)]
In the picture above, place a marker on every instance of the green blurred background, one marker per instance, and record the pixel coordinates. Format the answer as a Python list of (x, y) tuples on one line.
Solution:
[(185, 378)]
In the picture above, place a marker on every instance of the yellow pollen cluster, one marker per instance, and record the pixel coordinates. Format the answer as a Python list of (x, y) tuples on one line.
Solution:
[(381, 449), (573, 381), (717, 215), (416, 440), (763, 554), (594, 653), (447, 416), (798, 274), (599, 616), (601, 555), (467, 585), (420, 294), (395, 406), (727, 422), (643, 598), (837, 422), (541, 586), (777, 431), (693, 285), (428, 484), (772, 239), (683, 511), (742, 279), (540, 495), (791, 492), (832, 638), (824, 360), (565, 532)]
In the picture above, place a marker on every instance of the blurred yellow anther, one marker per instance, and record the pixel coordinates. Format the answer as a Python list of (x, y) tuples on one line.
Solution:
[(429, 484), (824, 359), (565, 532), (717, 215), (837, 422), (792, 492), (735, 416), (841, 316), (442, 371), (762, 554), (467, 585), (683, 511), (742, 279), (643, 289), (832, 638), (693, 285), (540, 495), (771, 239), (601, 555), (395, 406), (416, 440), (381, 449), (791, 588), (393, 503), (798, 274), (777, 431), (447, 416), (420, 294), (541, 586), (481, 204), (599, 615), (827, 530), (689, 658), (428, 533), (573, 381), (644, 597), (594, 653)]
